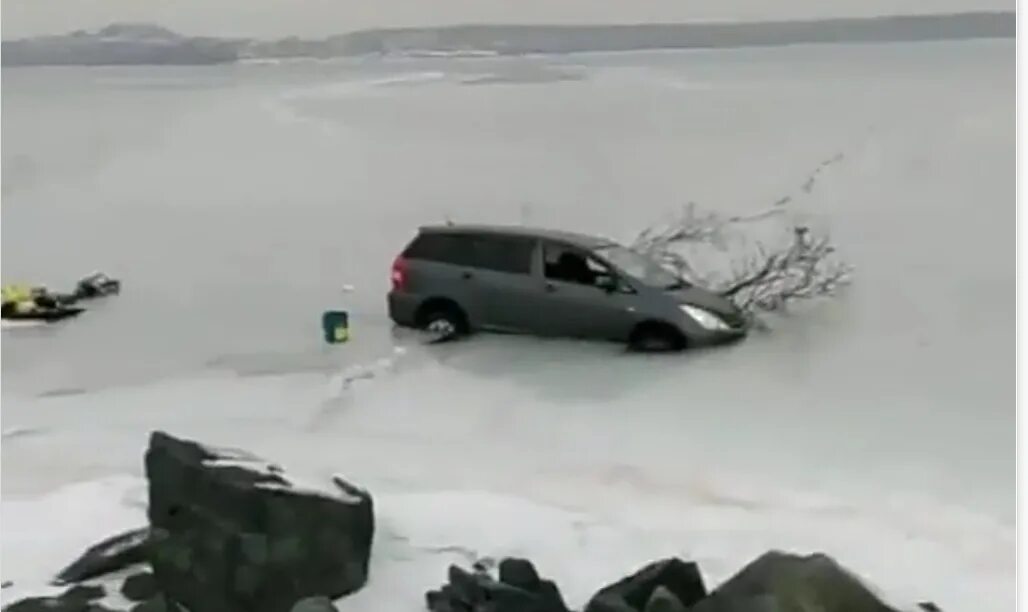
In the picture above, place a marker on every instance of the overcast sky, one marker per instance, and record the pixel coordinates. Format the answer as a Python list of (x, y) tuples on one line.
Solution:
[(321, 17)]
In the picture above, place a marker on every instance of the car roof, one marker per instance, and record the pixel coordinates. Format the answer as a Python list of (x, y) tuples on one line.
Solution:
[(584, 241)]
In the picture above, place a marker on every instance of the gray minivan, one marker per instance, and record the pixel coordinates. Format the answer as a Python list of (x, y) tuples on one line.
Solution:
[(456, 279)]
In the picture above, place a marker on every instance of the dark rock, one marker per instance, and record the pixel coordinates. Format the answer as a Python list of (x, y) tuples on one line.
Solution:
[(55, 604), (631, 594), (503, 598), (314, 604), (113, 554), (519, 573), (781, 582), (928, 606), (83, 592), (437, 601), (480, 592), (549, 597), (466, 588), (483, 565), (39, 604), (78, 598), (157, 603), (139, 587), (664, 600), (233, 534)]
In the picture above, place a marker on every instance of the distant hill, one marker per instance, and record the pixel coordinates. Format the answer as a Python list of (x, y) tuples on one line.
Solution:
[(152, 44), (119, 44)]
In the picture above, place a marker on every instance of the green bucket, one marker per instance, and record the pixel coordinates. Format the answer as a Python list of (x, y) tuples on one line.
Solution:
[(336, 326)]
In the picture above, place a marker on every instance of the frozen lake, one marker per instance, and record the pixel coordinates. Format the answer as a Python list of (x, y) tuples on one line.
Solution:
[(236, 201)]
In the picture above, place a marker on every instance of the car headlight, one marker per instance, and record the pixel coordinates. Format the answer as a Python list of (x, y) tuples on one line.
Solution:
[(705, 318)]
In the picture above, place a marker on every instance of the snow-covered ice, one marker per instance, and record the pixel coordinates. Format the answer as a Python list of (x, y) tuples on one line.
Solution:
[(877, 428)]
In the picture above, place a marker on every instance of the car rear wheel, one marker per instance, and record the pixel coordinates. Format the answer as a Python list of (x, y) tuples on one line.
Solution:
[(445, 321), (656, 338), (442, 324)]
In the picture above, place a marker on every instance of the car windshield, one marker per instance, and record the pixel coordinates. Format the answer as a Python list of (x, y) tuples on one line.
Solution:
[(639, 267)]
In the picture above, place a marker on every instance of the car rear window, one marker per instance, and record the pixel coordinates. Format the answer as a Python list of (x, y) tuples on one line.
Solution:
[(511, 254), (444, 248)]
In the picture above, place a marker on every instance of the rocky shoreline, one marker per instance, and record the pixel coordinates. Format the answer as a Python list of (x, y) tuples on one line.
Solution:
[(230, 532)]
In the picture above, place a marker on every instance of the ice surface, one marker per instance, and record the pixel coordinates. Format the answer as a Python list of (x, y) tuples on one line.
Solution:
[(41, 536), (878, 428)]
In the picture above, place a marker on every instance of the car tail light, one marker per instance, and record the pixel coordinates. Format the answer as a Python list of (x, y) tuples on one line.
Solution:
[(399, 274)]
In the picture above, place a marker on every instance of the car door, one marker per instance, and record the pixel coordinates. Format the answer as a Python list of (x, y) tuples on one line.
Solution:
[(574, 304), (503, 282)]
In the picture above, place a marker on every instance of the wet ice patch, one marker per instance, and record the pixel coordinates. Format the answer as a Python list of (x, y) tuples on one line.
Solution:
[(409, 78), (523, 74), (19, 432)]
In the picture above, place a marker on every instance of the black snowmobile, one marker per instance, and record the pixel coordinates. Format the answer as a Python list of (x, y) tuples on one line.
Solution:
[(96, 285)]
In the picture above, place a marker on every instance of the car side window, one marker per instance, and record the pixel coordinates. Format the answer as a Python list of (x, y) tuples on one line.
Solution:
[(510, 254), (570, 265)]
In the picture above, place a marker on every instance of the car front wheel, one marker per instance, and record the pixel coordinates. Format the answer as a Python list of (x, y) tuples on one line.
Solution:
[(656, 338)]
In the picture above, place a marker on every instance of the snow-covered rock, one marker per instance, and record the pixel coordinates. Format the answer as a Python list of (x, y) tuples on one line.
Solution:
[(110, 555), (680, 579), (785, 582), (234, 533)]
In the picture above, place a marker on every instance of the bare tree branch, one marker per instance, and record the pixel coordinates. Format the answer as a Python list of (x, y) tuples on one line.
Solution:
[(803, 270), (760, 278)]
